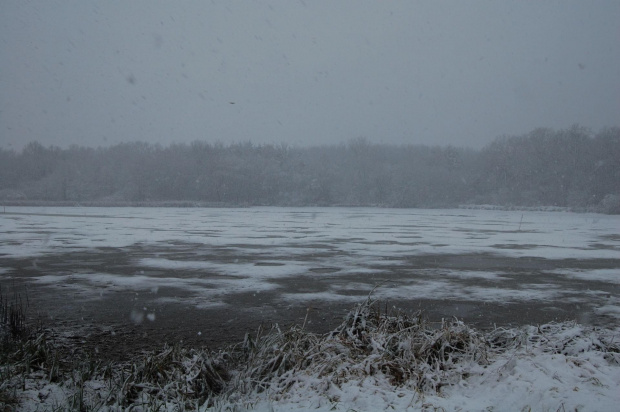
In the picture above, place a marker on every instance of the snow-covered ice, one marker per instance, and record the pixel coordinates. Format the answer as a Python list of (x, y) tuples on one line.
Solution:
[(213, 253), (366, 232)]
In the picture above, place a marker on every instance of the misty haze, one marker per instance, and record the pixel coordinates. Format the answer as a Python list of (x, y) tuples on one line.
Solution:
[(309, 205)]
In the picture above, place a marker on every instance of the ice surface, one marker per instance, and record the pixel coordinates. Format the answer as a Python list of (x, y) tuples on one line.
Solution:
[(367, 232), (266, 269), (599, 275), (228, 251)]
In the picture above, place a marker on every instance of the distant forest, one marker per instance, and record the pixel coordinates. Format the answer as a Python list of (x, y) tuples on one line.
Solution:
[(569, 168)]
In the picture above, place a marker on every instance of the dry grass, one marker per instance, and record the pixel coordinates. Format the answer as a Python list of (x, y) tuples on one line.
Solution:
[(401, 349), (368, 342), (13, 331), (12, 318)]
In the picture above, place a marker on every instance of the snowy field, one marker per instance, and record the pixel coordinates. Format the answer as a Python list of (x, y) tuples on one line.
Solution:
[(152, 268)]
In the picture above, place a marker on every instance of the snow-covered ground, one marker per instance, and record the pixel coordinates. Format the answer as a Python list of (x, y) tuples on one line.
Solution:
[(409, 254), (535, 377), (363, 367)]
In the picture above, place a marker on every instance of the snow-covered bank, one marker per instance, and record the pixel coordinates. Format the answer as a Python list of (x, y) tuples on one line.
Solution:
[(372, 361)]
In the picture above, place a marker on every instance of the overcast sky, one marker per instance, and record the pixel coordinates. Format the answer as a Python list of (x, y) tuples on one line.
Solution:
[(96, 73)]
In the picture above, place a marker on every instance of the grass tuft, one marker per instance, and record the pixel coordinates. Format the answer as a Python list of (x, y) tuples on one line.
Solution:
[(12, 319), (370, 344)]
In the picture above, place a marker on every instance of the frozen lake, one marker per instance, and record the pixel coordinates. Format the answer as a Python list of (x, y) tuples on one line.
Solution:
[(209, 275)]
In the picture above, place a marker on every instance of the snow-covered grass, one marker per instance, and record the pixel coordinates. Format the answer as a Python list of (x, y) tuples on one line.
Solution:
[(374, 360)]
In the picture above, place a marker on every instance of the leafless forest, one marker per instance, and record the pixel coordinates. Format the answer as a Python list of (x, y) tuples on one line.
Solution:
[(570, 168)]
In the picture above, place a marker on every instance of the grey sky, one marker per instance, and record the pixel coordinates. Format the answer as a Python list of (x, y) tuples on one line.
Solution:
[(314, 72)]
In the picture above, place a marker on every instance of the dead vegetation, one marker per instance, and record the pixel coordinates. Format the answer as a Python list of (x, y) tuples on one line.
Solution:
[(401, 349)]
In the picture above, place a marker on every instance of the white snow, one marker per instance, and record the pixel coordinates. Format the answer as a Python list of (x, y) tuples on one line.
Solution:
[(599, 275), (610, 308), (562, 371), (203, 292), (368, 232)]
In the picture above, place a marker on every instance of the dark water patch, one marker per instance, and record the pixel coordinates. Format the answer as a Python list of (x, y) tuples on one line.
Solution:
[(392, 243), (491, 262), (346, 240), (267, 237), (612, 237), (11, 242), (602, 246), (209, 233), (522, 246), (256, 246), (307, 284), (324, 270), (353, 292), (269, 264)]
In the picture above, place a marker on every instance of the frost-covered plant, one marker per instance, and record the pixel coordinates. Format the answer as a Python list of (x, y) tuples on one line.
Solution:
[(390, 350), (175, 375), (404, 349)]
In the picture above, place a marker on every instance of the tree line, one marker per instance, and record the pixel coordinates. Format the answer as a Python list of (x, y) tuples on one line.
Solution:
[(570, 168)]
